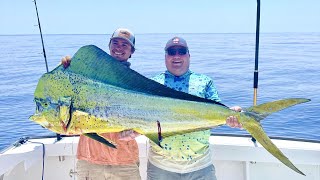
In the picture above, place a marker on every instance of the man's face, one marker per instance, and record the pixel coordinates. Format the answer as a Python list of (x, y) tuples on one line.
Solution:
[(177, 60), (120, 49)]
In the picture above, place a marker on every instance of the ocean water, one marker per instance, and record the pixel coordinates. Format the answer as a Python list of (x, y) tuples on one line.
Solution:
[(289, 66)]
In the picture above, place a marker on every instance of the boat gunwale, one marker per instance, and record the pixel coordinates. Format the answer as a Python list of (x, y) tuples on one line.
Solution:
[(22, 140)]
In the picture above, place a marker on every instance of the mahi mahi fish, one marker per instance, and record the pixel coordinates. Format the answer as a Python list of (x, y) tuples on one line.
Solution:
[(97, 94)]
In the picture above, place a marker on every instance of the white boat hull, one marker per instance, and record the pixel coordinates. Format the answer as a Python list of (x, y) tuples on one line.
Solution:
[(235, 158)]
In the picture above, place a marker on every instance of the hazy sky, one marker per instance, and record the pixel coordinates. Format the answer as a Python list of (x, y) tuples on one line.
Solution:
[(162, 16)]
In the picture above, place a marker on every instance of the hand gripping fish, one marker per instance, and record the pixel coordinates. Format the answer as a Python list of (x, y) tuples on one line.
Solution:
[(97, 94)]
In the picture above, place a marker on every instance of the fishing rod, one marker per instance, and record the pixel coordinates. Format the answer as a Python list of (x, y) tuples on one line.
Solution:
[(256, 72), (256, 61), (43, 49)]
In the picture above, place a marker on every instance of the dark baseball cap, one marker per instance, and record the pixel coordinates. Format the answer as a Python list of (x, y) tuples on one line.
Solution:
[(176, 41)]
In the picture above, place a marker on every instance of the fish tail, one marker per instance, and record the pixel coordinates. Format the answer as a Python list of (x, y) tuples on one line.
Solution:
[(261, 111), (252, 125)]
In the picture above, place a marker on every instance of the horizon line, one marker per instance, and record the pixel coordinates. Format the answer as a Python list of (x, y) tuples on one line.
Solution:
[(152, 33)]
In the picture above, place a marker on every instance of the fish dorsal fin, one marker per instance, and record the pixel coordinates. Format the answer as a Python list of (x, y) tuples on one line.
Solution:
[(92, 62), (101, 139)]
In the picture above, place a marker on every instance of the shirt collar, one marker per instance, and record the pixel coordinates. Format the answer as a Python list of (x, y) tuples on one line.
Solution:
[(179, 77)]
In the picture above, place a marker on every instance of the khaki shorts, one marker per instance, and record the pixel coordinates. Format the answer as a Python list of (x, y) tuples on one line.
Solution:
[(89, 171)]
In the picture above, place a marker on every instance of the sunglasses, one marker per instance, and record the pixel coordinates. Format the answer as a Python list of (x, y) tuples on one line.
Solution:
[(180, 51)]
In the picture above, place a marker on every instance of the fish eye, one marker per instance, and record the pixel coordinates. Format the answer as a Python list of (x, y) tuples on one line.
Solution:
[(45, 105)]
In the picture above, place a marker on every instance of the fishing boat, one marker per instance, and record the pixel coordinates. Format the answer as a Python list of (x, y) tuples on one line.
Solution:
[(236, 157)]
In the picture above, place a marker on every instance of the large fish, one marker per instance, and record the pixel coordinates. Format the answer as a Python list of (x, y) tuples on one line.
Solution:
[(97, 94)]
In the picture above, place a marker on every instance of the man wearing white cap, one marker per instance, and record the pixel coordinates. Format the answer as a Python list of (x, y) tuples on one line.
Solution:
[(96, 161), (188, 156)]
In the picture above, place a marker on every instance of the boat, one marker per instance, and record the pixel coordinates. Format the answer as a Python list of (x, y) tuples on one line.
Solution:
[(235, 158)]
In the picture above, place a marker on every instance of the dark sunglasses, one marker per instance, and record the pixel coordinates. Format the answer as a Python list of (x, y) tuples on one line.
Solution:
[(180, 51)]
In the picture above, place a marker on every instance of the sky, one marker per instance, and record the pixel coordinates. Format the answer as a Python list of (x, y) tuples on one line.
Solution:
[(162, 16)]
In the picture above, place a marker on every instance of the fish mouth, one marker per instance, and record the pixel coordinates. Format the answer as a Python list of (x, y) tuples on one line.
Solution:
[(56, 126), (34, 117), (40, 120)]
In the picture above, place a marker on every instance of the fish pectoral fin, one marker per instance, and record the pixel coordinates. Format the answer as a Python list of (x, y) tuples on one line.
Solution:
[(65, 110), (100, 139)]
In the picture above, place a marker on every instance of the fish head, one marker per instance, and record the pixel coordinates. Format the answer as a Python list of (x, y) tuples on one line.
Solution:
[(53, 100), (53, 115)]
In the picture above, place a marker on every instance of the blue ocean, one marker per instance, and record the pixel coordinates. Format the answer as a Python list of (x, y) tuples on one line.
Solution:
[(289, 66)]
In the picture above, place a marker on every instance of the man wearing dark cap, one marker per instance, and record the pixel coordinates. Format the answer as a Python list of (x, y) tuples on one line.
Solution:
[(188, 156), (96, 161)]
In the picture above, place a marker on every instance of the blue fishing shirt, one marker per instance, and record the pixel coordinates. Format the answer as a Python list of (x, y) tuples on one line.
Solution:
[(187, 152)]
